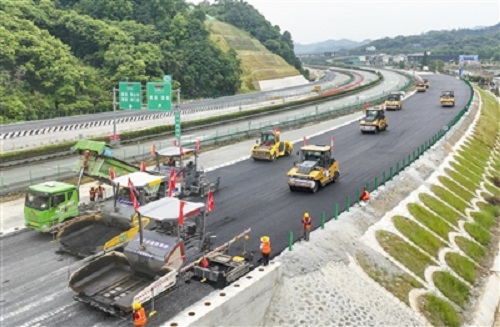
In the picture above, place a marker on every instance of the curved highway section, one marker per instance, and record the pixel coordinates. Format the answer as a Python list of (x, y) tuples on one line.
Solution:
[(253, 194)]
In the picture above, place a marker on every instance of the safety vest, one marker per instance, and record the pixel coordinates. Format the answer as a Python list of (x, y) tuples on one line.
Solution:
[(265, 247), (306, 221), (140, 318), (365, 196)]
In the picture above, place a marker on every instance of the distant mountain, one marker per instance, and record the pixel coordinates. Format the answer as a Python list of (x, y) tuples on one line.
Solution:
[(327, 46), (482, 41)]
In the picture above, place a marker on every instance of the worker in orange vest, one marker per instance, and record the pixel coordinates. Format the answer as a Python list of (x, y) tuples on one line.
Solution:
[(265, 249), (365, 195), (92, 194), (306, 226), (140, 318)]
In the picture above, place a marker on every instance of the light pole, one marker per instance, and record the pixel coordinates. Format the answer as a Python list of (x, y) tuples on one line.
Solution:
[(114, 140)]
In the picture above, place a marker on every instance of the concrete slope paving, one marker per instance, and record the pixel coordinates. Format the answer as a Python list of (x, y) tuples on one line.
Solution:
[(254, 195)]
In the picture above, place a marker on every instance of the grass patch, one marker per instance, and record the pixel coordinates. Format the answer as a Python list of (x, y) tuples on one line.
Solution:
[(478, 233), (398, 283), (442, 209), (456, 188), (430, 220), (418, 235), (462, 180), (448, 197), (462, 170), (451, 287), (492, 189), (462, 266), (439, 312), (470, 248), (489, 208), (471, 166), (405, 253), (484, 219), (469, 154)]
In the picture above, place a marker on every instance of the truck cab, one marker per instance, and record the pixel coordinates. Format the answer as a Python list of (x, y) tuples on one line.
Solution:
[(50, 203), (374, 121), (421, 87)]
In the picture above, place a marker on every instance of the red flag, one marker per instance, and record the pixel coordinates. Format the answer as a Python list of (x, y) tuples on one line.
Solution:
[(276, 128), (143, 166), (210, 201), (133, 196), (197, 146), (181, 213), (112, 174), (366, 105), (332, 142), (305, 140), (171, 182), (174, 142), (153, 150), (182, 151)]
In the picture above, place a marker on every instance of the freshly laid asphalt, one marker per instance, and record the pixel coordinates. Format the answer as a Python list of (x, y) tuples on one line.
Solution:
[(253, 194)]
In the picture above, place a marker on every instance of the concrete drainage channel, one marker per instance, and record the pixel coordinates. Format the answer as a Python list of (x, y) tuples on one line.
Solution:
[(244, 302)]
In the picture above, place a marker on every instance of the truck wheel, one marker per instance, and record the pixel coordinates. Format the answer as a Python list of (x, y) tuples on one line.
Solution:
[(377, 130), (336, 176), (273, 157), (315, 188)]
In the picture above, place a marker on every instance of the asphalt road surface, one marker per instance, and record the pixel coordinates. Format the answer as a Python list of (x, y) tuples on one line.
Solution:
[(253, 194)]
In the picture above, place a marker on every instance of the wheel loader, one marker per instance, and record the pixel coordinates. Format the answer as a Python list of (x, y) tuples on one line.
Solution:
[(270, 147), (317, 168)]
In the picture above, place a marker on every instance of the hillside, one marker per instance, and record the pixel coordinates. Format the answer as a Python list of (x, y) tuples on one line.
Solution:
[(257, 62), (63, 57), (327, 46), (484, 42)]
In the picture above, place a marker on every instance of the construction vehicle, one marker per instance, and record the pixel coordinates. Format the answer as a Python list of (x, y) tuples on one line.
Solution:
[(51, 203), (270, 147), (152, 263), (116, 222), (190, 180), (317, 88), (426, 83), (421, 87), (394, 101), (447, 99), (316, 169), (374, 121)]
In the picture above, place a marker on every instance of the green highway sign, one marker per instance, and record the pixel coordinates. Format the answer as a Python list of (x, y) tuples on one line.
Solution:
[(159, 96), (177, 125), (130, 95)]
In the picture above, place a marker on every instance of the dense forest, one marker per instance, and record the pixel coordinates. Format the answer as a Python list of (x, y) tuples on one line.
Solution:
[(484, 42), (63, 57)]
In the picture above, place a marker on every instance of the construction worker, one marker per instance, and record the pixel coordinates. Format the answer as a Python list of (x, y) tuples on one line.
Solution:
[(306, 226), (265, 249), (100, 192), (140, 318), (365, 195), (92, 194)]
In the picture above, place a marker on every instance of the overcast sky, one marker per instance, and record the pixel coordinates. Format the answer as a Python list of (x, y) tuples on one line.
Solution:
[(311, 21)]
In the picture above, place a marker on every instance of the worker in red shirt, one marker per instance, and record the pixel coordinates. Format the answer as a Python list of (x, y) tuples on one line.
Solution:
[(306, 226), (365, 195), (140, 318)]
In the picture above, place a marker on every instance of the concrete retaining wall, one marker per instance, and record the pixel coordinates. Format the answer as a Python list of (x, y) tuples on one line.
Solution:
[(276, 84), (243, 303)]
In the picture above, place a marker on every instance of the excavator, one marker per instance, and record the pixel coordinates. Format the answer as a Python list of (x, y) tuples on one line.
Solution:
[(270, 146)]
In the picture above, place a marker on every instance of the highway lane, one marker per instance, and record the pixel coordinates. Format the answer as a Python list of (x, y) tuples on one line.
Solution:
[(15, 175), (253, 194), (329, 81)]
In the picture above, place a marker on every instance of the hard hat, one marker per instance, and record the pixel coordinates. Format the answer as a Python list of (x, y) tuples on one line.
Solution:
[(306, 214), (137, 305), (264, 239)]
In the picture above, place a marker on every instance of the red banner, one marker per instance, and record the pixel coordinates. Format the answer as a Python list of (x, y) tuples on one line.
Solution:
[(181, 213), (171, 182), (210, 201)]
